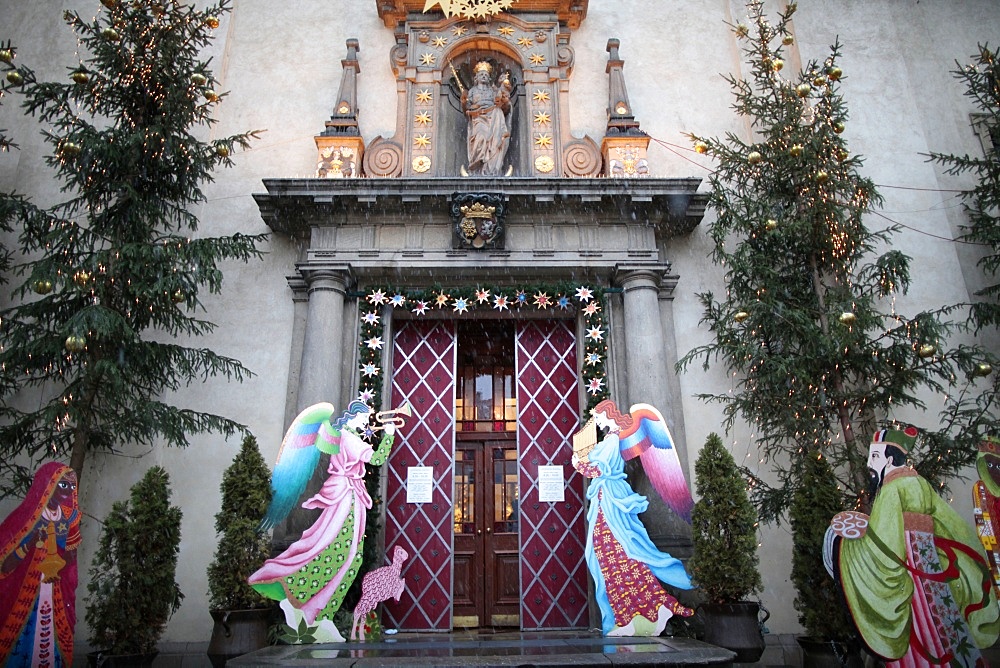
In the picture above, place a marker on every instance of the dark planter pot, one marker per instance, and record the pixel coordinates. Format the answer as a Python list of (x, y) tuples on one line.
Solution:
[(818, 653), (106, 660), (735, 626), (237, 632)]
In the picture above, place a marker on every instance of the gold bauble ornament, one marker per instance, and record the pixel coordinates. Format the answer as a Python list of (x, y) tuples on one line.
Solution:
[(15, 77), (222, 150), (178, 296), (787, 40), (110, 34), (42, 286), (110, 4), (795, 150), (81, 277), (983, 369), (69, 150), (75, 344), (847, 318), (199, 79), (740, 316), (842, 154), (777, 64), (212, 22), (754, 158), (822, 176), (803, 90), (80, 77), (210, 95), (771, 224), (819, 81), (838, 127), (835, 73), (926, 350), (6, 55), (741, 30), (701, 147)]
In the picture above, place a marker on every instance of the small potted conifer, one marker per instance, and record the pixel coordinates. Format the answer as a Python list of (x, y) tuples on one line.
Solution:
[(830, 638), (133, 589), (724, 560), (239, 612)]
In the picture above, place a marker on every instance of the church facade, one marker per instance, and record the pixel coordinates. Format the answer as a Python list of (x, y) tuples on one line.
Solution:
[(485, 225)]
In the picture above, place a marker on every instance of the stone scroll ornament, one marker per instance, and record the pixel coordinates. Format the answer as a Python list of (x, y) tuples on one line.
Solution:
[(986, 502), (38, 574), (913, 573), (626, 566), (379, 585), (311, 577)]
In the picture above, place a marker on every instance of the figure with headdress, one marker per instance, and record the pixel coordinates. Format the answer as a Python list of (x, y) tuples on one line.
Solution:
[(38, 575), (913, 573), (487, 106), (626, 566), (986, 502), (311, 577)]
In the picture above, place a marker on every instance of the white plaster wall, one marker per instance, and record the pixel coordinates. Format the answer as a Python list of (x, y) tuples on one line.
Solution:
[(280, 63)]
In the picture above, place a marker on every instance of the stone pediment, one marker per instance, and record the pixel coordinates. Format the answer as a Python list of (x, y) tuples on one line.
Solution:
[(568, 12)]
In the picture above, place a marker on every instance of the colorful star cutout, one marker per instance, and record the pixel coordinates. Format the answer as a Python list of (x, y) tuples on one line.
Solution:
[(398, 300), (541, 96), (543, 140), (428, 59), (461, 305), (458, 31), (420, 308), (482, 296), (369, 370), (366, 395), (595, 385), (584, 294), (500, 302), (542, 301), (506, 31), (542, 118), (377, 297), (537, 59), (370, 318), (595, 334), (593, 358), (424, 95), (374, 343), (525, 42), (442, 299), (591, 308), (439, 42), (563, 302), (521, 298), (422, 140), (423, 118)]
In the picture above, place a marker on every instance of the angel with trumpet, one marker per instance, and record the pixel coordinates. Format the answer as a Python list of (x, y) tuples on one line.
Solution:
[(311, 577)]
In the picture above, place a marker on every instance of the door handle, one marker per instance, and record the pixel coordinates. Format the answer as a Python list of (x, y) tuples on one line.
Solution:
[(489, 530), (479, 532)]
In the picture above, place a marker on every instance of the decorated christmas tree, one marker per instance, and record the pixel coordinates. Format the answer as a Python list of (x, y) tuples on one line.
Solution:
[(808, 327), (110, 279)]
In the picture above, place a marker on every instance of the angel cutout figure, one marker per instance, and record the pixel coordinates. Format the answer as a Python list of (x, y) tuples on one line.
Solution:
[(311, 577), (625, 564)]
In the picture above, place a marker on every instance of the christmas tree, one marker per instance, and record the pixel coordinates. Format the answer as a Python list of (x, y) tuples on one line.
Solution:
[(110, 282), (808, 328)]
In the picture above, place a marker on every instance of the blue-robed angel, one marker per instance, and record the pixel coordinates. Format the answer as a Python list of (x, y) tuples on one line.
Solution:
[(626, 566), (311, 577)]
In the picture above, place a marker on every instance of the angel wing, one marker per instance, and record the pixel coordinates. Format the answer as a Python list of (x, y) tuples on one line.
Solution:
[(649, 439), (297, 458)]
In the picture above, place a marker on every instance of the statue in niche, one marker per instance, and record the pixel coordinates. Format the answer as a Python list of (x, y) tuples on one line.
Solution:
[(487, 106)]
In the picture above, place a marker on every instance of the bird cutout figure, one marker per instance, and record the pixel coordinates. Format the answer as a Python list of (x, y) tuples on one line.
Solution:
[(379, 585)]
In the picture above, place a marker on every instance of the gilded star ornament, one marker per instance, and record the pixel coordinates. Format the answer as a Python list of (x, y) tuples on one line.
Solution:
[(439, 42), (525, 42), (542, 118), (424, 95), (537, 59), (428, 59), (543, 140), (506, 31), (423, 118), (541, 96), (458, 31), (422, 140)]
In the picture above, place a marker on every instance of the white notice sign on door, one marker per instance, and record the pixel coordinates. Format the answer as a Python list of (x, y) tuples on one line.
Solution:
[(551, 485), (419, 484)]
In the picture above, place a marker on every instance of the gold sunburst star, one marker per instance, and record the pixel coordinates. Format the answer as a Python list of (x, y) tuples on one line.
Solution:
[(506, 31), (542, 118), (428, 59), (439, 42), (424, 95), (423, 118), (543, 140), (541, 96), (526, 42), (458, 31), (422, 140), (537, 59)]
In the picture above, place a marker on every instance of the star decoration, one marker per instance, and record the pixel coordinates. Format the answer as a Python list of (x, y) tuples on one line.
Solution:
[(423, 118), (439, 42), (377, 297), (421, 307), (506, 31), (592, 308), (541, 96), (593, 358), (584, 294), (428, 59), (422, 140), (370, 318), (542, 118), (424, 95), (482, 296), (563, 302), (441, 299), (398, 300), (461, 305), (543, 140), (366, 395), (500, 302), (537, 59), (595, 385), (458, 31), (374, 343), (521, 298), (595, 334), (369, 370), (525, 42), (542, 300)]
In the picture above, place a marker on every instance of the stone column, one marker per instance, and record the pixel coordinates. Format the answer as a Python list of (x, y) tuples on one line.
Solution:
[(322, 345), (645, 366)]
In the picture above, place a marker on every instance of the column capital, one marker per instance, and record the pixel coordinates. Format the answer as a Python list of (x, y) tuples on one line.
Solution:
[(323, 279), (642, 277)]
